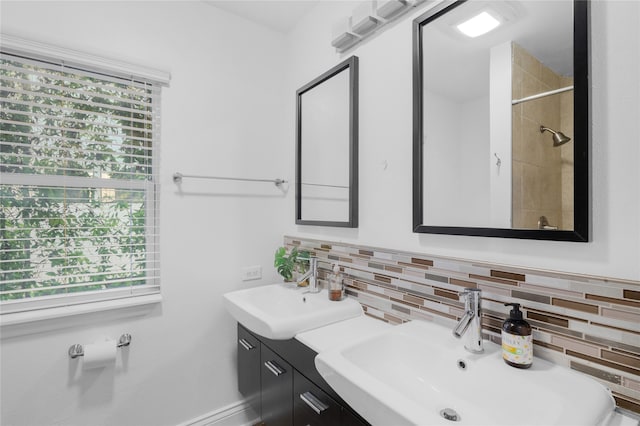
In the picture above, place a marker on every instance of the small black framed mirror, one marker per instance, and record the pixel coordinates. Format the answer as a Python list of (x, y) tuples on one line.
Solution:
[(501, 120), (327, 148)]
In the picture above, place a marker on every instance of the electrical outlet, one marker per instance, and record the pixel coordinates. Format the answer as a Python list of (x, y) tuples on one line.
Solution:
[(251, 273)]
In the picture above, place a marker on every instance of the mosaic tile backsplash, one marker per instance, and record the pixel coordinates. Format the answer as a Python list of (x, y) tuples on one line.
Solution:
[(590, 324)]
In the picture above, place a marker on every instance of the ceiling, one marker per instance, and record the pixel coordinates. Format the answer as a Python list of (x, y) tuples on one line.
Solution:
[(279, 15), (542, 27)]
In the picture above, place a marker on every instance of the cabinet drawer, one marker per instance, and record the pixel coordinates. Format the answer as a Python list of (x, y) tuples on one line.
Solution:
[(277, 382), (249, 368), (312, 406)]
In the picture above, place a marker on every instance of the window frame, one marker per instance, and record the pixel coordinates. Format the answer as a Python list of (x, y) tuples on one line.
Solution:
[(44, 307)]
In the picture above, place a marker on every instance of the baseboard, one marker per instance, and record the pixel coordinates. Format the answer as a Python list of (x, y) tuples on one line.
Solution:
[(236, 414)]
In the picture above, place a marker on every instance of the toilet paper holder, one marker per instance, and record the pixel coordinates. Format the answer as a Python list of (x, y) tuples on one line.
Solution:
[(77, 349)]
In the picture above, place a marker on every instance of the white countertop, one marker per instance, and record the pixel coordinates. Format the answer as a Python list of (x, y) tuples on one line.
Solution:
[(338, 333)]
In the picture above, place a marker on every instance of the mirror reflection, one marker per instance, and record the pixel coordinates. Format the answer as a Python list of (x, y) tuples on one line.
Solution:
[(497, 111), (326, 183)]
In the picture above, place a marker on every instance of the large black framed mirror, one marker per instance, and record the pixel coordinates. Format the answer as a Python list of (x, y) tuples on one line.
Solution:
[(327, 148), (501, 120)]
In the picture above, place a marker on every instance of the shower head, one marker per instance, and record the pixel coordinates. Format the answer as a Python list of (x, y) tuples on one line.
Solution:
[(559, 138)]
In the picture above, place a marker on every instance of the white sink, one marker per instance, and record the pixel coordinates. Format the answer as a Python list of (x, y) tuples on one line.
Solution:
[(280, 311), (409, 374)]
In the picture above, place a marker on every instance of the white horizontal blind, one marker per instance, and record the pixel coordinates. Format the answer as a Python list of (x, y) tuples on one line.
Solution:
[(78, 184)]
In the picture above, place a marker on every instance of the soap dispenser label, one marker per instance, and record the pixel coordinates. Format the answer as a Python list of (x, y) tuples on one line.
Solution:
[(517, 349)]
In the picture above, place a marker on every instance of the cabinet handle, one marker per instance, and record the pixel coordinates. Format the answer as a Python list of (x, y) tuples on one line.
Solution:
[(274, 368), (248, 346), (313, 402)]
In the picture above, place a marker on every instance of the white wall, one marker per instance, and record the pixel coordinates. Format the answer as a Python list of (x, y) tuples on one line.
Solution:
[(474, 136), (442, 159), (500, 175), (455, 177), (385, 135), (222, 115)]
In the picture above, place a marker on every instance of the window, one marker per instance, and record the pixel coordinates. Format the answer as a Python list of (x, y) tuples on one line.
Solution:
[(78, 182)]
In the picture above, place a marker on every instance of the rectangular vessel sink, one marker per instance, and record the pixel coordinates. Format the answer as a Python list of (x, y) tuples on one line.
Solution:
[(412, 373), (280, 311)]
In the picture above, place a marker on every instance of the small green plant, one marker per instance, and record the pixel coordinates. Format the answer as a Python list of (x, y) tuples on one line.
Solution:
[(288, 263), (285, 263)]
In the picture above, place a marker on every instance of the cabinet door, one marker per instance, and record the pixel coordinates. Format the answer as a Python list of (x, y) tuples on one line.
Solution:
[(277, 386), (311, 406), (249, 368)]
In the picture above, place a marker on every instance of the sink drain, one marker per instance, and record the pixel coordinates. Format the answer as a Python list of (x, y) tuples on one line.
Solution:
[(450, 414)]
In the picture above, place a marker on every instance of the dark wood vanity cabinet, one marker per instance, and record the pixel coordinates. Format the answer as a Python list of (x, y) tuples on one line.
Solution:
[(281, 382), (249, 375)]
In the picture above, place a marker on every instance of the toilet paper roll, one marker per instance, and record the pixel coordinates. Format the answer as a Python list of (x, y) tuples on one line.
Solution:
[(99, 354)]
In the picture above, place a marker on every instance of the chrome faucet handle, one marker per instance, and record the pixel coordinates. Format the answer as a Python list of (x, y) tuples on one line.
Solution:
[(467, 291), (471, 321), (470, 296), (311, 275)]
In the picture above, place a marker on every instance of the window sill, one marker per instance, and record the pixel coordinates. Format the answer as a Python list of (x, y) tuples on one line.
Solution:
[(22, 323)]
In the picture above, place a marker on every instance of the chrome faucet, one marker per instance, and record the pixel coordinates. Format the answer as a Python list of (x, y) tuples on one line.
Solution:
[(471, 322), (312, 275)]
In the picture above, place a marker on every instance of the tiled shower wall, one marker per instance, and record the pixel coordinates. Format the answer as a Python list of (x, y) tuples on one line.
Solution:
[(542, 173), (590, 324)]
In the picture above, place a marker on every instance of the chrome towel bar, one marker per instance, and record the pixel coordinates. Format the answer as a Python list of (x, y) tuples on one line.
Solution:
[(177, 178)]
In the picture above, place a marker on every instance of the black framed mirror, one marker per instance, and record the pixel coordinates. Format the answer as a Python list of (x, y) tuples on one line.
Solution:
[(501, 120), (327, 148)]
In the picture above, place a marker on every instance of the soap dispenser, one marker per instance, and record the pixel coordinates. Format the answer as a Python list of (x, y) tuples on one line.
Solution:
[(517, 342), (336, 287)]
